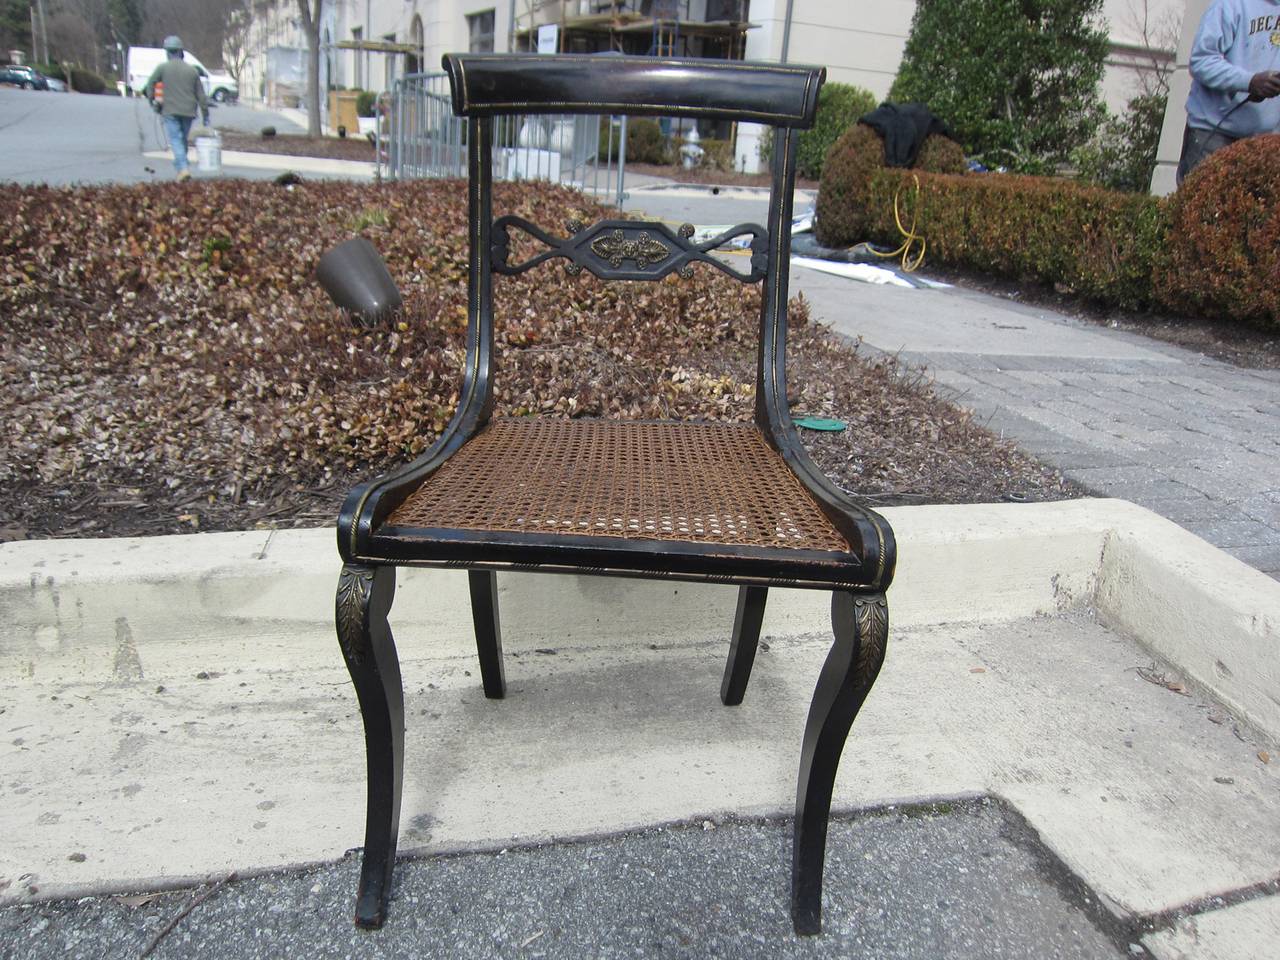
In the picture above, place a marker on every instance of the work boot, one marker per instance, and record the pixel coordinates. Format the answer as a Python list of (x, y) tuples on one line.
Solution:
[(184, 174)]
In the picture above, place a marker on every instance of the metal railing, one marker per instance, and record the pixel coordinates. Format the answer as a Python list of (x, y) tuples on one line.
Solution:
[(418, 136)]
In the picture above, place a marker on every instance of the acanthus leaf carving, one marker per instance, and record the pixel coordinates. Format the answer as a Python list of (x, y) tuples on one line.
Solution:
[(355, 585)]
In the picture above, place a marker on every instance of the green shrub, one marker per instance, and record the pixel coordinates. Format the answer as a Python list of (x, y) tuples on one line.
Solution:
[(940, 154), (86, 81), (608, 145), (82, 80), (366, 104), (716, 155), (1016, 81), (1223, 248), (841, 207), (645, 142), (839, 107), (843, 217), (1098, 243), (1123, 155)]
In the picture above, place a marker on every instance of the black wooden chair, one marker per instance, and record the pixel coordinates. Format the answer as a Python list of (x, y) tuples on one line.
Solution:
[(728, 503)]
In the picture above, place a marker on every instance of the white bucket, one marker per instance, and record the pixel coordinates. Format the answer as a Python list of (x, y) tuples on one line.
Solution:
[(209, 154)]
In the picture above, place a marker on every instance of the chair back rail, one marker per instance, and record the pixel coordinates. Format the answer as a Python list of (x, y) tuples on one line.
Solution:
[(783, 95)]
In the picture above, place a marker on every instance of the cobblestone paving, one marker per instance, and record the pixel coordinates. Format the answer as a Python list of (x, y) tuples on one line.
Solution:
[(1195, 440)]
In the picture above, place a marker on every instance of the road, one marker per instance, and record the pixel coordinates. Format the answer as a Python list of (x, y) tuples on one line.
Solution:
[(63, 139)]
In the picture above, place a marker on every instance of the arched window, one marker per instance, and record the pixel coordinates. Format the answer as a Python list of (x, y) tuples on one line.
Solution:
[(417, 37)]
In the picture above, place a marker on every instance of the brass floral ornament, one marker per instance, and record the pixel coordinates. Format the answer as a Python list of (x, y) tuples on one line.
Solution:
[(355, 584), (644, 249)]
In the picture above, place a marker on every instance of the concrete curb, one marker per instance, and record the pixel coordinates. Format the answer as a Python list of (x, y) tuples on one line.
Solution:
[(1211, 616), (315, 166)]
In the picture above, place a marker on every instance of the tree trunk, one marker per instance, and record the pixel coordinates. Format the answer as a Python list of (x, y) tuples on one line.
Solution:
[(311, 25)]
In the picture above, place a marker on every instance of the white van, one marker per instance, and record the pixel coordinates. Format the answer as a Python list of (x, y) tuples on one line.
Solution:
[(141, 61)]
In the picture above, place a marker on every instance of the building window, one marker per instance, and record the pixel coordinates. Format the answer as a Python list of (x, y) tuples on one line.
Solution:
[(413, 63), (357, 34), (480, 26), (388, 64)]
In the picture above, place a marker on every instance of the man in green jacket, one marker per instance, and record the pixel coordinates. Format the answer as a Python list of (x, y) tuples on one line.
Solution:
[(181, 92)]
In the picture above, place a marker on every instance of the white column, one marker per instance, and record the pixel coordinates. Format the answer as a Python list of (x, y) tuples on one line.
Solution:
[(1164, 178), (763, 43)]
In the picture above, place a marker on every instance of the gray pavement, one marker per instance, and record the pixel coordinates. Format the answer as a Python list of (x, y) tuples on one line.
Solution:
[(64, 139), (958, 880), (1194, 439)]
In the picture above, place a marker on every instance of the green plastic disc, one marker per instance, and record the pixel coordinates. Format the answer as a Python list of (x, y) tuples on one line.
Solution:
[(820, 423)]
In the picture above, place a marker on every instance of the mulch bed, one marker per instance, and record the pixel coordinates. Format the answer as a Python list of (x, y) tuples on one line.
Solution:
[(353, 147), (170, 364)]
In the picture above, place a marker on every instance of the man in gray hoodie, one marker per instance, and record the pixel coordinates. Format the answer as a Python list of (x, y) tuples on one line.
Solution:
[(181, 93), (1235, 78)]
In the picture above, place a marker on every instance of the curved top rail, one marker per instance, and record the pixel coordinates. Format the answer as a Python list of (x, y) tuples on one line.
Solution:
[(784, 95)]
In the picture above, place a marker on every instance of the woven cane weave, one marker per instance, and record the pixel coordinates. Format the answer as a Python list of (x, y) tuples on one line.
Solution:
[(693, 482)]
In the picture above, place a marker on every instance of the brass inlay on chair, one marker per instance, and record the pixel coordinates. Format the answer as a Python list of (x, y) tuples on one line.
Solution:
[(644, 250)]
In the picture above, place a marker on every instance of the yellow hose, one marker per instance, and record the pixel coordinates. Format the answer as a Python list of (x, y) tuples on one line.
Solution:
[(909, 264)]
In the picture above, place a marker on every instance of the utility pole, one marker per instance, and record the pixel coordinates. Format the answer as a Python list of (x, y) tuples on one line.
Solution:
[(786, 32), (44, 34)]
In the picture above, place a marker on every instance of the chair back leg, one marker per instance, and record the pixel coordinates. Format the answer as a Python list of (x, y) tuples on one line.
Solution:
[(364, 599), (484, 613), (742, 648), (861, 627)]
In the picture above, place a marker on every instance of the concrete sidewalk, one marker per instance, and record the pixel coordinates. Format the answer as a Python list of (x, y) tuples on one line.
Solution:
[(1194, 439)]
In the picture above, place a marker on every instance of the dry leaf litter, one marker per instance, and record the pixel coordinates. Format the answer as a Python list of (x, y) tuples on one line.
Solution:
[(169, 363)]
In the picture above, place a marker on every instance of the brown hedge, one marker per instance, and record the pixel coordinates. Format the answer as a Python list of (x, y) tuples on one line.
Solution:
[(1098, 243), (843, 216), (1223, 248)]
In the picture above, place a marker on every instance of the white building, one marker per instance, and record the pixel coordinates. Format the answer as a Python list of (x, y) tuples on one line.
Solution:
[(859, 41), (367, 44)]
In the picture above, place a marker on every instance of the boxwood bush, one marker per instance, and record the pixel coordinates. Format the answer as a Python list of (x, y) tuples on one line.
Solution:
[(1223, 245), (843, 194), (1212, 249), (1101, 244)]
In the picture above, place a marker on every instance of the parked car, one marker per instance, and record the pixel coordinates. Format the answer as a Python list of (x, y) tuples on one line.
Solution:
[(23, 76), (56, 85), (221, 87)]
